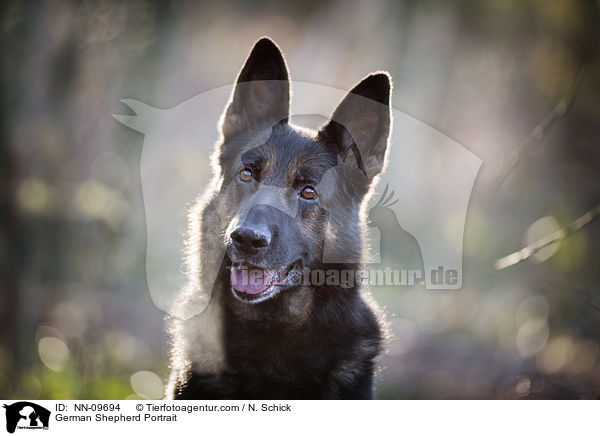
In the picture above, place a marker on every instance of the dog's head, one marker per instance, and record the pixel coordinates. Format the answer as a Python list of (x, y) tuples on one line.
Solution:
[(288, 192)]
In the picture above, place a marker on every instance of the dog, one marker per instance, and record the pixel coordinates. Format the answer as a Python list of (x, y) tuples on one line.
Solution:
[(281, 196)]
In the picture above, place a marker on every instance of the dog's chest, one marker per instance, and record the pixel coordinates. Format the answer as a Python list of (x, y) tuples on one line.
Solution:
[(272, 361)]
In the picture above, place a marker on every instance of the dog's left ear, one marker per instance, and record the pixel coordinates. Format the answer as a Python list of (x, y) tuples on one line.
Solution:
[(361, 123), (262, 91)]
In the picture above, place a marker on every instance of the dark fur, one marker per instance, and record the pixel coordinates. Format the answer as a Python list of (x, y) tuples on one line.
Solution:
[(306, 341)]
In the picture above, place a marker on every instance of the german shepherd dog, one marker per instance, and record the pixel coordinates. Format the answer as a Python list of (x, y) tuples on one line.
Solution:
[(281, 195)]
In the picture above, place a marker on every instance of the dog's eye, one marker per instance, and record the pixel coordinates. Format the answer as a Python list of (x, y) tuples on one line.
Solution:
[(246, 175), (309, 193)]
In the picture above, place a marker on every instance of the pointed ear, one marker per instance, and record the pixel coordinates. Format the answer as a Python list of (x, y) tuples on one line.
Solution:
[(361, 123), (262, 91)]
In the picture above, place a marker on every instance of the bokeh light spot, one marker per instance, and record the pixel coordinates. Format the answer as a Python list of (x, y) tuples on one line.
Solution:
[(54, 353), (147, 385)]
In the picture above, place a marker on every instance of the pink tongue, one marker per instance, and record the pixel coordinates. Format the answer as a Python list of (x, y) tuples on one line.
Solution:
[(250, 281)]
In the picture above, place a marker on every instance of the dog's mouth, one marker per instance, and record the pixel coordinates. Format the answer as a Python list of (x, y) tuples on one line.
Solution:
[(252, 284)]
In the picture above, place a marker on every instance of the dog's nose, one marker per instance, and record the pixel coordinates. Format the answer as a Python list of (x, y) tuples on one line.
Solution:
[(250, 239)]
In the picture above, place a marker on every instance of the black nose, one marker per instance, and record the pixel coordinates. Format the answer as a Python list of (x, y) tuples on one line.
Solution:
[(250, 239)]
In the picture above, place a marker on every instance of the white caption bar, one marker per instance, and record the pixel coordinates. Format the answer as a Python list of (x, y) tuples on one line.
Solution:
[(298, 417)]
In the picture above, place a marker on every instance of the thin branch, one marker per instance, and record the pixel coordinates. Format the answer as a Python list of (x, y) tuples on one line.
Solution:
[(560, 109), (530, 250)]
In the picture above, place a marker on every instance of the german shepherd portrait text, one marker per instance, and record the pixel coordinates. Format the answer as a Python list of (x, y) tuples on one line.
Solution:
[(281, 196)]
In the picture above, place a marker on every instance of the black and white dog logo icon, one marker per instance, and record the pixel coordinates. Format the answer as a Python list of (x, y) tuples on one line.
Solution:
[(26, 415)]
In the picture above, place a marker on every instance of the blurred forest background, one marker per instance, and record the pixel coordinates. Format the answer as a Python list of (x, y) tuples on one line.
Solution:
[(76, 319)]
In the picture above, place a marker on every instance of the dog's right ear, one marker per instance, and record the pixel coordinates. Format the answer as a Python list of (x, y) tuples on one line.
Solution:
[(262, 91), (361, 123)]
